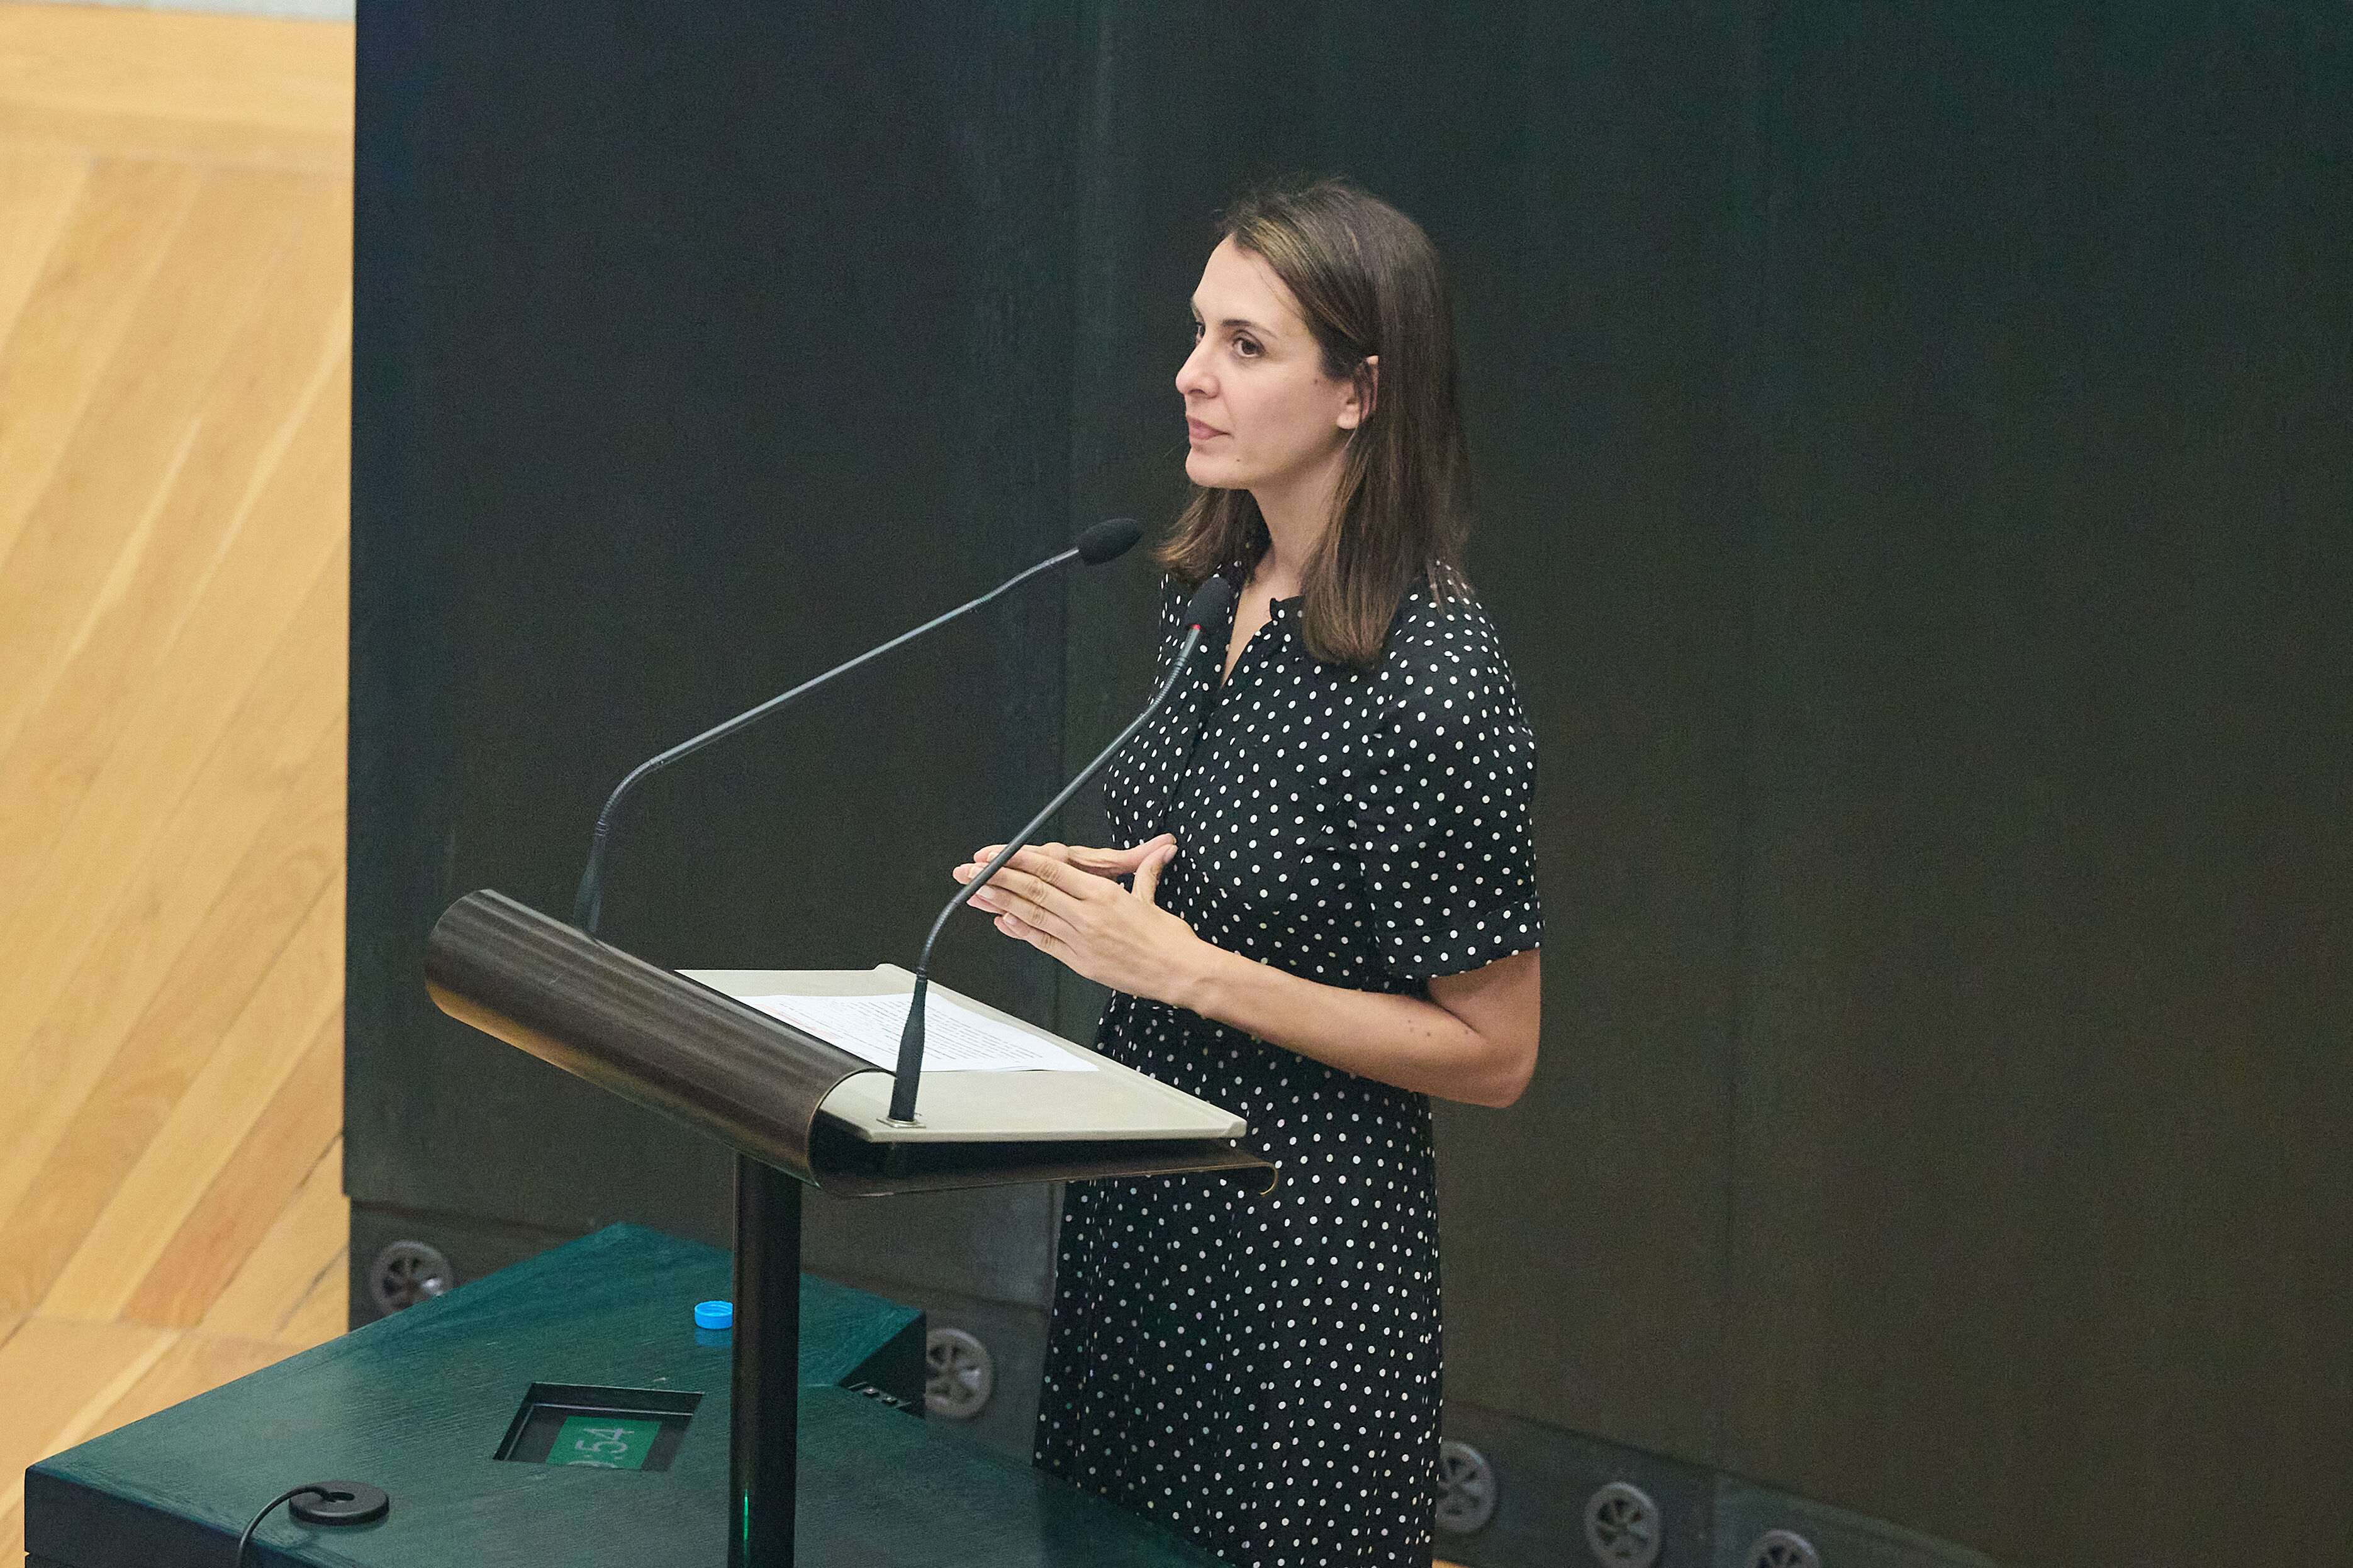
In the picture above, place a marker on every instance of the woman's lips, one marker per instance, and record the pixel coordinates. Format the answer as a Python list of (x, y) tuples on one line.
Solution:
[(1198, 431)]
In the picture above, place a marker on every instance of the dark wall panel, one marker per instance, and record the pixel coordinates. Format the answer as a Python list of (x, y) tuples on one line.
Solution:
[(2042, 1097), (681, 380), (1594, 229)]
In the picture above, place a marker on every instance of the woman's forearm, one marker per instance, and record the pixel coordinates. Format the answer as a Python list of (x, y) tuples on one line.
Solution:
[(1482, 1054), (1473, 1038)]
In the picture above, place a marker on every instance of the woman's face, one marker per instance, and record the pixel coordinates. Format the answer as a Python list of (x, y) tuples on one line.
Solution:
[(1260, 413)]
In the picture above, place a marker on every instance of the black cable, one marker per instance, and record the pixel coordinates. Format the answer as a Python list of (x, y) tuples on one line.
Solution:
[(337, 1504), (246, 1538)]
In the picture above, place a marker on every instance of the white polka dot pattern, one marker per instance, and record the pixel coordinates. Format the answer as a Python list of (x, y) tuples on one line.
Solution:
[(1263, 1373)]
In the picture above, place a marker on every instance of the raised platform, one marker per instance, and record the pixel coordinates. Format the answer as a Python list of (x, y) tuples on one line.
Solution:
[(420, 1402)]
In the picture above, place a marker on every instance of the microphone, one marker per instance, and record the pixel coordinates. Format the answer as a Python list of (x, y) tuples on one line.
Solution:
[(1106, 541), (1210, 604)]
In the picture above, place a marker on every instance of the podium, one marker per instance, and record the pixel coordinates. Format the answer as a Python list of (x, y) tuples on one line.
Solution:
[(416, 1403), (798, 1111)]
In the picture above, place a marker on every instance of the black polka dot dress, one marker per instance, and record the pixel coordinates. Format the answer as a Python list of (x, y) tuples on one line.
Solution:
[(1263, 1374)]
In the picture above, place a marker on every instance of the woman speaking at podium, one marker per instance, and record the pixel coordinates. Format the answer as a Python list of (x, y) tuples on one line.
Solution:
[(1332, 916)]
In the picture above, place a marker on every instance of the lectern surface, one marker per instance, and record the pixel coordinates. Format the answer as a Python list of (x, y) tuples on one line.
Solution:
[(418, 1403), (1111, 1103)]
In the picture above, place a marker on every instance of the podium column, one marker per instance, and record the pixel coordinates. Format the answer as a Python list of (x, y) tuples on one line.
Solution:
[(763, 1449)]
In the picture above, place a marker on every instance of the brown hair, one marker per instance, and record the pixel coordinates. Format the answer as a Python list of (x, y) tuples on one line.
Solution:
[(1368, 283)]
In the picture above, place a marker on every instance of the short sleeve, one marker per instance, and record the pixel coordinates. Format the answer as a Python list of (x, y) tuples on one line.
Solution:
[(1442, 811)]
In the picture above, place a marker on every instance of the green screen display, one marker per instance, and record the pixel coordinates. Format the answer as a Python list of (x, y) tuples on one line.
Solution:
[(606, 1442)]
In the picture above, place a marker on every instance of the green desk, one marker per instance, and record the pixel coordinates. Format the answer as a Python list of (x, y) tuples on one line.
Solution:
[(418, 1403)]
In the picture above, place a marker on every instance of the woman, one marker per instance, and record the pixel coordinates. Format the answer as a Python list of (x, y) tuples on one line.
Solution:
[(1332, 916)]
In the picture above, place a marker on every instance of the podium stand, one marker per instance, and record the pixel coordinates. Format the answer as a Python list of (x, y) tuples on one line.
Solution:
[(786, 1101)]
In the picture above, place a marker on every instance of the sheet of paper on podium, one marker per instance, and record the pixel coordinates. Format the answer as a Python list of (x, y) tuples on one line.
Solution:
[(956, 1038), (1072, 1094)]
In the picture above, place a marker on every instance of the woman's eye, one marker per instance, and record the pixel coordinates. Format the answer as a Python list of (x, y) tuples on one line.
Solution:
[(1247, 349), (1196, 332)]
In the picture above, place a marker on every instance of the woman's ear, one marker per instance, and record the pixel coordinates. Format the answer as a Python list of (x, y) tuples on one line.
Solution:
[(1364, 391)]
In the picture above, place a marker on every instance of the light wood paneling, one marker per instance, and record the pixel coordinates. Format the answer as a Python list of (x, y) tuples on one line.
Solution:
[(167, 85), (327, 1305), (292, 1136), (267, 396), (175, 411), (189, 1364), (81, 536), (91, 277), (36, 191), (298, 1264), (115, 1085), (62, 1377), (90, 968), (209, 1116)]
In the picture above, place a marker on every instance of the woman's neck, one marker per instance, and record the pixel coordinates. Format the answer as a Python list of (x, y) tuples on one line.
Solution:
[(1296, 515)]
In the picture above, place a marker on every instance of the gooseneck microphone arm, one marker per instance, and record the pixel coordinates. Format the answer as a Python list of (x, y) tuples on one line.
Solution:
[(1103, 542), (1209, 606)]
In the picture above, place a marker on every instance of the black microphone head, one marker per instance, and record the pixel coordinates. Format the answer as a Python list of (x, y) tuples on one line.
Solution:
[(1212, 602), (1109, 540)]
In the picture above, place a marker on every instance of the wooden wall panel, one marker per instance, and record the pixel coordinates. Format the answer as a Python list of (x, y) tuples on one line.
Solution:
[(37, 190), (228, 1223), (215, 90), (174, 470), (93, 276)]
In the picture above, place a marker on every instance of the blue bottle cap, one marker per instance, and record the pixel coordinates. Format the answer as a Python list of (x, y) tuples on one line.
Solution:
[(715, 1314)]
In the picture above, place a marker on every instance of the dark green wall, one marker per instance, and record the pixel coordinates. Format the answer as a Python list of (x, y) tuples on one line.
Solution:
[(1918, 496), (678, 382), (1944, 663), (2044, 1099)]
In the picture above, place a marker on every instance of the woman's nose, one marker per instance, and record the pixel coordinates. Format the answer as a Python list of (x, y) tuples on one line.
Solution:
[(1193, 375)]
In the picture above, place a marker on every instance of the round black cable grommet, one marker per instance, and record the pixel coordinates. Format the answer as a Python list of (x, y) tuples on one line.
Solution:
[(340, 1503)]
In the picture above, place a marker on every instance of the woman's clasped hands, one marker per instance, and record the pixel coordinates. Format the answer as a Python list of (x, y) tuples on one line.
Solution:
[(1065, 900)]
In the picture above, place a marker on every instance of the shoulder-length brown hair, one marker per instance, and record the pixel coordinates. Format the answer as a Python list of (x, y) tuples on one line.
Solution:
[(1368, 283)]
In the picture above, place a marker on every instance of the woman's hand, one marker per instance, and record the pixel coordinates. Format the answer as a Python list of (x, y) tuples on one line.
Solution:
[(1472, 1038), (1111, 863), (1064, 902)]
